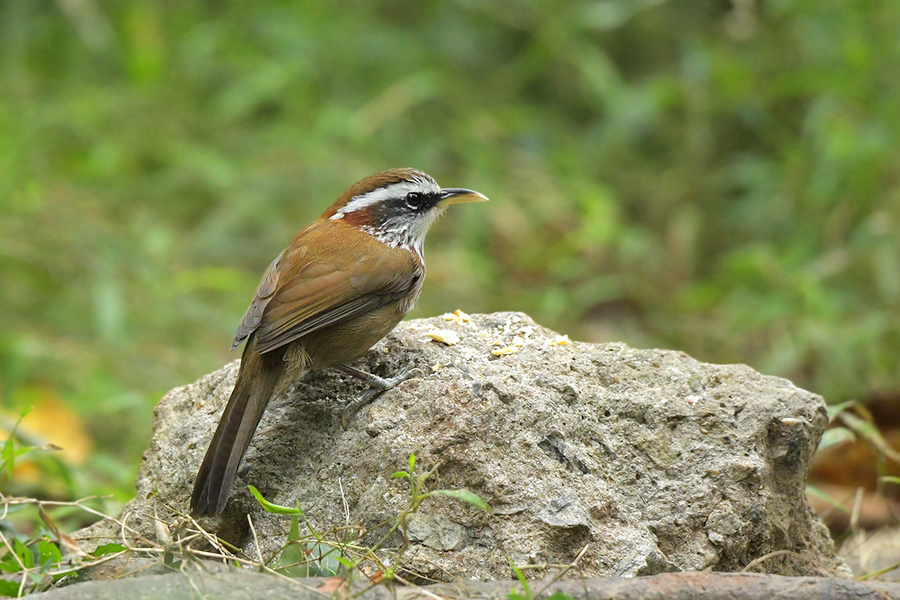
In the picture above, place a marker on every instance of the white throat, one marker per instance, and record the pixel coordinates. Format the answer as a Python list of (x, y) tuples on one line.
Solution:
[(405, 233)]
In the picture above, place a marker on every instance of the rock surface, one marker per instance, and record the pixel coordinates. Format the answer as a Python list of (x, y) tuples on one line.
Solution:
[(247, 585), (643, 461)]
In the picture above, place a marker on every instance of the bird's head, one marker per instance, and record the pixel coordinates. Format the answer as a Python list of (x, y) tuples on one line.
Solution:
[(397, 206)]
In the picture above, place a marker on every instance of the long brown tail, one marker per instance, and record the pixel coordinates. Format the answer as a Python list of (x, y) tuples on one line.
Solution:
[(256, 381)]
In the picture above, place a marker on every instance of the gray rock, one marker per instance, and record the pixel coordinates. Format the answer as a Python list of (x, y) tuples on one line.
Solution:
[(243, 584), (647, 461)]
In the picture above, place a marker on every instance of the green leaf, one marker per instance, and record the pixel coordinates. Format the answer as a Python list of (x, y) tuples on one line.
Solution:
[(890, 479), (24, 553), (292, 562), (107, 549), (412, 462), (275, 509), (8, 563), (836, 409), (869, 432), (466, 496), (400, 474), (47, 551), (9, 588), (7, 456), (292, 558), (836, 436), (9, 452), (323, 560), (817, 493), (559, 596), (520, 575), (294, 533), (170, 561)]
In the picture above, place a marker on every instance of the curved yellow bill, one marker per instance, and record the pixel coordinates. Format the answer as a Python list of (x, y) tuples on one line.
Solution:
[(460, 195)]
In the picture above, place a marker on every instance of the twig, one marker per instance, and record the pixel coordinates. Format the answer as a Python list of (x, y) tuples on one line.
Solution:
[(256, 541), (854, 516), (12, 552), (559, 575), (205, 554), (420, 589), (344, 501), (796, 555), (25, 570), (878, 573), (213, 540), (19, 501)]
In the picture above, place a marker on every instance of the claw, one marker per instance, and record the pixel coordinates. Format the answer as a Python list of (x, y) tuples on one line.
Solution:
[(378, 386)]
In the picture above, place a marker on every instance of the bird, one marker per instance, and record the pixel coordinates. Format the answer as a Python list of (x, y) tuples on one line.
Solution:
[(341, 285)]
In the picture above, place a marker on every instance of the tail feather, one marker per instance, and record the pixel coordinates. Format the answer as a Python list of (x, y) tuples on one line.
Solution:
[(256, 382)]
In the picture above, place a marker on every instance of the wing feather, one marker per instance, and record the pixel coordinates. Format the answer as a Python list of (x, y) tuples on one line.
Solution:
[(312, 293), (260, 299)]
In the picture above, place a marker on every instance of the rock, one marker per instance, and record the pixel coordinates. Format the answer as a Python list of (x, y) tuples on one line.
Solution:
[(635, 461), (243, 584)]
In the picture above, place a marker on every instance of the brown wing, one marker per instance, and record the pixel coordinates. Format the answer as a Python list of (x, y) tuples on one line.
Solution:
[(260, 299), (341, 282)]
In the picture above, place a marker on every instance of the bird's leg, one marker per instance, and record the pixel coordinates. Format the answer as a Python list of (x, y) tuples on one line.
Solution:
[(378, 385)]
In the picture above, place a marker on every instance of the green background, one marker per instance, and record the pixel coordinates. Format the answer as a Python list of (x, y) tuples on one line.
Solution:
[(721, 178)]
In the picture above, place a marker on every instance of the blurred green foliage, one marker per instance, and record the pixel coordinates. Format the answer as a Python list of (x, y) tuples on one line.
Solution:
[(721, 178)]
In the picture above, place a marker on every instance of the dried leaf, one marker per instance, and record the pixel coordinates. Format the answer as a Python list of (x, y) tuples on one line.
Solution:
[(505, 351), (445, 336)]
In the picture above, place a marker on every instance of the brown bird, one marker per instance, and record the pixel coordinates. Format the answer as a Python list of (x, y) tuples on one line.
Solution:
[(342, 284)]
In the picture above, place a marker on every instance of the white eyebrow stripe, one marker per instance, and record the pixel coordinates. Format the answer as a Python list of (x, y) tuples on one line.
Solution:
[(394, 190)]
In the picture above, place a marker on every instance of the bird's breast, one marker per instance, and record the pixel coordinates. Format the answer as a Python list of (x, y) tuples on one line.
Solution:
[(349, 339)]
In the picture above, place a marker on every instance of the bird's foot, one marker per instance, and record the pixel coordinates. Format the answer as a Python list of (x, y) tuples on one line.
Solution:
[(378, 385)]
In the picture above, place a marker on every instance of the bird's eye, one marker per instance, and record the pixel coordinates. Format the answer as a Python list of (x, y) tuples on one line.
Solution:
[(414, 200)]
